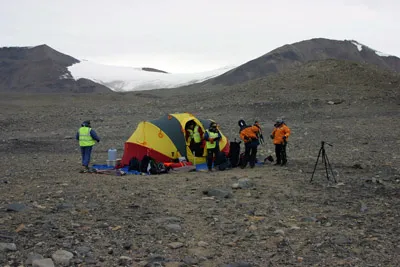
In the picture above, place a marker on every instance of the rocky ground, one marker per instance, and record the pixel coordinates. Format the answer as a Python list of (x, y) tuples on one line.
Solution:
[(275, 218)]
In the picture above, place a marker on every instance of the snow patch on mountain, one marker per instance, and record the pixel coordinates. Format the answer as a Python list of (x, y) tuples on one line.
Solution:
[(360, 47), (133, 79)]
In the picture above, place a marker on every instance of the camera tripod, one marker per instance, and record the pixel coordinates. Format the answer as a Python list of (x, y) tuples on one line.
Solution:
[(325, 161)]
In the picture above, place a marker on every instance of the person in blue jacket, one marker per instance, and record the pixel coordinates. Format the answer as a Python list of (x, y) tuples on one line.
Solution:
[(87, 138), (212, 137)]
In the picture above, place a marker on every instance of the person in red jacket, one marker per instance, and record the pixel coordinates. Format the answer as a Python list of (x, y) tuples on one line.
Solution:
[(280, 135)]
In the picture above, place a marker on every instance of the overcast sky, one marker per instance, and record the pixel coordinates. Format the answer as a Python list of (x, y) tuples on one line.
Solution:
[(189, 35)]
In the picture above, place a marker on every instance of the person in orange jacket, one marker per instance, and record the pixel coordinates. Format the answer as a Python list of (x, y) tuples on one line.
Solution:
[(251, 137), (280, 135)]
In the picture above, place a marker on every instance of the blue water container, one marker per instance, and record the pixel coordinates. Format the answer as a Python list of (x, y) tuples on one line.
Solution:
[(112, 154)]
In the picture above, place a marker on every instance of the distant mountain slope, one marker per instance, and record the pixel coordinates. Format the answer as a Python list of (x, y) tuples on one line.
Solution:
[(298, 53), (40, 69)]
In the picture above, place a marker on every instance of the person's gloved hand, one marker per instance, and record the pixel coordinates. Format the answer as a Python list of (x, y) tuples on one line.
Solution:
[(284, 137), (98, 141), (272, 137)]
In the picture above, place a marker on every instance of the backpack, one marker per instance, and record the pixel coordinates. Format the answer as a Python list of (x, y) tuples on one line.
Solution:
[(134, 164), (157, 168), (222, 161), (144, 164), (234, 153)]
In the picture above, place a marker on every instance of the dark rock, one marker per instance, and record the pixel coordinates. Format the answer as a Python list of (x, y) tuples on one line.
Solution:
[(65, 206), (220, 193), (127, 245), (16, 207), (237, 264)]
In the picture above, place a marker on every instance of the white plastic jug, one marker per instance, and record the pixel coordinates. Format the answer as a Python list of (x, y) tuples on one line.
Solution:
[(112, 154)]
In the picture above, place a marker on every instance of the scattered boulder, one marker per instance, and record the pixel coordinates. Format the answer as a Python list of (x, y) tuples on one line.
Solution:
[(16, 207), (173, 228), (124, 260), (216, 192), (32, 257), (43, 263), (245, 183), (237, 264), (62, 257), (202, 244), (83, 250), (8, 247), (175, 245)]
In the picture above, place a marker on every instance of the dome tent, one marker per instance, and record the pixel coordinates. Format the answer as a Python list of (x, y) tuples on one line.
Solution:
[(164, 139)]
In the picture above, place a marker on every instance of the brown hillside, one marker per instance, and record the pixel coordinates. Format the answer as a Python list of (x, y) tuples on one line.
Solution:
[(298, 53), (40, 69)]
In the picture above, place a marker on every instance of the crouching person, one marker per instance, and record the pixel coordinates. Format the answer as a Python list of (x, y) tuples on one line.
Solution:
[(212, 137)]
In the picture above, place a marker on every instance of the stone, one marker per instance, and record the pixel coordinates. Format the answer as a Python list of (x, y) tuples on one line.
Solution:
[(32, 257), (238, 264), (279, 232), (173, 228), (202, 244), (190, 261), (245, 183), (175, 245), (235, 186), (16, 207), (43, 263), (201, 253), (173, 264), (217, 192), (83, 250), (252, 227), (65, 206), (124, 260), (168, 220), (62, 257), (8, 247)]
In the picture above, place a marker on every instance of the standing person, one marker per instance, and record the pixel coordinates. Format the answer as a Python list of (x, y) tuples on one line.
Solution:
[(194, 139), (212, 137), (280, 135), (87, 138), (250, 136)]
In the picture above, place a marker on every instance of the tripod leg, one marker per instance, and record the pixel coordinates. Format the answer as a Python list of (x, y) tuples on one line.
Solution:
[(316, 163), (326, 167), (330, 167)]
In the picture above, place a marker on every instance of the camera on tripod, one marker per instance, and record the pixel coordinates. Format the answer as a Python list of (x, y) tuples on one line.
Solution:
[(325, 161)]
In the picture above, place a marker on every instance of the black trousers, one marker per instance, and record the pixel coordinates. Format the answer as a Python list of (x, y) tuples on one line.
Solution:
[(280, 153), (197, 149), (211, 153), (250, 154)]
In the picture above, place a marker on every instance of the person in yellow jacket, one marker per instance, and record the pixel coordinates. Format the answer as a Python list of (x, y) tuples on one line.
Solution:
[(87, 138), (194, 139), (280, 135), (212, 137)]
